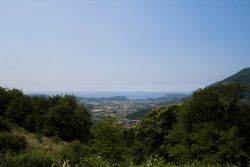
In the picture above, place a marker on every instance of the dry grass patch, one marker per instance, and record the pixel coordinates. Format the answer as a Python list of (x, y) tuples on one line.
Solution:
[(40, 143)]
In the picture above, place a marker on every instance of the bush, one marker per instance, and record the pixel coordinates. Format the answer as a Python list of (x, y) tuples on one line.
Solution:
[(4, 125), (56, 139), (29, 160), (74, 152), (12, 143), (155, 161), (108, 140), (94, 161)]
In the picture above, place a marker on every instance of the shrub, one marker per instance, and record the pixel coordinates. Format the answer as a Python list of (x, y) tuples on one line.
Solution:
[(12, 143), (74, 152), (94, 161), (4, 125), (56, 139), (155, 161), (29, 160), (108, 140)]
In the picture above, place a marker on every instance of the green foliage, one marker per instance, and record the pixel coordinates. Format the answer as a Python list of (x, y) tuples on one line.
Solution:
[(11, 143), (230, 150), (67, 120), (4, 125), (138, 115), (108, 141), (56, 139), (94, 161), (217, 104), (60, 116), (207, 127), (22, 112), (75, 152), (30, 159), (150, 132), (6, 96), (212, 127), (155, 161), (243, 78), (81, 155)]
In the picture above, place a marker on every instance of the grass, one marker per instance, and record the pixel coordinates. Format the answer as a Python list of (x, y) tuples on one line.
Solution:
[(40, 143)]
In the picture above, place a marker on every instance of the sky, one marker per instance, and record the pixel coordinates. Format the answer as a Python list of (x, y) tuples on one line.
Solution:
[(122, 45)]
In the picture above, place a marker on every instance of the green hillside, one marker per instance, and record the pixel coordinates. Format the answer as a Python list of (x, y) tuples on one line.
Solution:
[(242, 77)]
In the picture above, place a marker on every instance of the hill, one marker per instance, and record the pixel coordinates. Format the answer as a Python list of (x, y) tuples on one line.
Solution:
[(114, 98), (242, 77)]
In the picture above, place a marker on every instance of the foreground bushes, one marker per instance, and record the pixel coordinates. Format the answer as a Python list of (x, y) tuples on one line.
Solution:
[(11, 143), (75, 152), (28, 160), (4, 125)]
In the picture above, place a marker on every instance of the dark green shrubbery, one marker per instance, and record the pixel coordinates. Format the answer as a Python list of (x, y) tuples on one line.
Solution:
[(60, 116), (12, 143), (211, 127), (4, 125), (94, 161), (28, 160), (107, 147), (150, 132), (67, 120), (109, 141), (75, 152)]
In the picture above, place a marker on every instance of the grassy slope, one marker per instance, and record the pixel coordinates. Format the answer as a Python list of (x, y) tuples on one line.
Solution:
[(40, 143)]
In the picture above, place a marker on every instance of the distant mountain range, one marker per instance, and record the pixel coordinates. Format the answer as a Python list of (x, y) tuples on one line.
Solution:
[(242, 77), (114, 98)]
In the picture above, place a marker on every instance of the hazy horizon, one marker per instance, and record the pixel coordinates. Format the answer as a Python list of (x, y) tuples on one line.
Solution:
[(122, 46), (103, 94)]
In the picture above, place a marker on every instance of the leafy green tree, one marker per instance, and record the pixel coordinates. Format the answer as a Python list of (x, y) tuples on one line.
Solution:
[(6, 96), (151, 131), (108, 141), (68, 120), (19, 108), (207, 127)]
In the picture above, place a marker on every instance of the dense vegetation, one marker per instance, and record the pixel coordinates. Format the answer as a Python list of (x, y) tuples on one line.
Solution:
[(243, 78), (53, 116), (138, 114), (211, 128)]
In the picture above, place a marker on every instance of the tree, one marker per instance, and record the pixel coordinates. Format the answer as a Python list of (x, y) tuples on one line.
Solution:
[(108, 141), (68, 120), (207, 127), (19, 108), (6, 96), (150, 132)]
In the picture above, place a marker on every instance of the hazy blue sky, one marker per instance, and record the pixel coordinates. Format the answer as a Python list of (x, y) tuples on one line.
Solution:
[(122, 45)]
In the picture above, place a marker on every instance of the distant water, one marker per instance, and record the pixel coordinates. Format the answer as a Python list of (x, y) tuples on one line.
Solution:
[(130, 95)]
